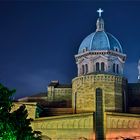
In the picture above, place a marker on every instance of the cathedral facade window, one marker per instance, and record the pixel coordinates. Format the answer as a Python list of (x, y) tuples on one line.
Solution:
[(102, 66), (85, 49), (114, 68), (116, 49), (117, 68), (97, 66), (86, 68), (83, 69)]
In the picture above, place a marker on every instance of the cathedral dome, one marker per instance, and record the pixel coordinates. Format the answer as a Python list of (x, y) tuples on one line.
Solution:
[(100, 40), (100, 52)]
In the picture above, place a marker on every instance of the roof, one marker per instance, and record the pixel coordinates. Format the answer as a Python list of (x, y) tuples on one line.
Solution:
[(100, 40), (64, 86), (57, 85), (41, 94)]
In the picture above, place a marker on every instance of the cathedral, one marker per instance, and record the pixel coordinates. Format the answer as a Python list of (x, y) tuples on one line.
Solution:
[(99, 104)]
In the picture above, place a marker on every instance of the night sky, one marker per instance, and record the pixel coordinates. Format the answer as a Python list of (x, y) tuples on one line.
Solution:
[(38, 40)]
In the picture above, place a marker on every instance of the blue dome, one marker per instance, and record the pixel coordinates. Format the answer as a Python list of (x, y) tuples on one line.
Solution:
[(100, 40)]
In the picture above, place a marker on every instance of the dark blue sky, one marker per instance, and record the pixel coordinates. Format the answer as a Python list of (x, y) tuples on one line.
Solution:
[(38, 40)]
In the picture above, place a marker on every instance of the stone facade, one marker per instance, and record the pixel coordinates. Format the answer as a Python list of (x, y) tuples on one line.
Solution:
[(58, 92), (84, 87), (122, 125), (30, 106), (78, 126), (68, 127), (86, 62)]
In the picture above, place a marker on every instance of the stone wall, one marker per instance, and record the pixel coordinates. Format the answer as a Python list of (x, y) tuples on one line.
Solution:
[(62, 94), (74, 127), (68, 127), (122, 125), (59, 94), (84, 87), (30, 106)]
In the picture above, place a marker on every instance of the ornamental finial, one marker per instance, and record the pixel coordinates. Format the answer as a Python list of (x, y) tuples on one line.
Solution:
[(100, 21), (100, 11)]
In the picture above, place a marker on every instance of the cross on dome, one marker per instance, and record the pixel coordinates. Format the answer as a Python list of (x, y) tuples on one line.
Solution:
[(100, 21), (100, 11)]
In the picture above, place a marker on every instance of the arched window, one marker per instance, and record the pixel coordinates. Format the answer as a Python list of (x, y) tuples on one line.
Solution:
[(117, 68), (85, 49), (116, 49), (83, 71), (97, 66), (86, 66), (102, 66), (114, 68)]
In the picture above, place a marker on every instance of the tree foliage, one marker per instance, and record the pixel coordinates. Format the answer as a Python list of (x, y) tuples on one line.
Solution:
[(15, 125)]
